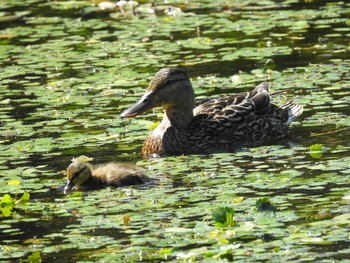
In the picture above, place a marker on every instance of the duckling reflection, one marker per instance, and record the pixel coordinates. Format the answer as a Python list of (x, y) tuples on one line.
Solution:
[(110, 174)]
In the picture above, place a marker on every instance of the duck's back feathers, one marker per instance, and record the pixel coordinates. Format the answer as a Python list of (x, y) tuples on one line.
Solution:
[(237, 109)]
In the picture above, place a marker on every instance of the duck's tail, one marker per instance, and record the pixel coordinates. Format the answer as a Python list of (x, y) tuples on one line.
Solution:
[(294, 110)]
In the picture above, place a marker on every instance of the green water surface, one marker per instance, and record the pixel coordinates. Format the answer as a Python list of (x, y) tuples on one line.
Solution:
[(67, 71)]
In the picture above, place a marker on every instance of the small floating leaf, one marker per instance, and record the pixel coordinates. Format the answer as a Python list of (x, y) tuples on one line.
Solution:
[(7, 200), (270, 64), (6, 211), (165, 251), (25, 198), (82, 159), (6, 205), (77, 194), (315, 241), (153, 125), (316, 151), (223, 216), (262, 218), (238, 200), (14, 182), (126, 220), (6, 101), (35, 257)]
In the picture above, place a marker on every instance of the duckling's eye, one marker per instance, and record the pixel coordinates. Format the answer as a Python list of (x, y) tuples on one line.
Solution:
[(77, 173)]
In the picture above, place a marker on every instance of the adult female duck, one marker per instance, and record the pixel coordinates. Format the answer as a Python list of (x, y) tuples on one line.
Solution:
[(217, 124)]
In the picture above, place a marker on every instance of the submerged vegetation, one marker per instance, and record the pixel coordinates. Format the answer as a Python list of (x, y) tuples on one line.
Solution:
[(69, 68)]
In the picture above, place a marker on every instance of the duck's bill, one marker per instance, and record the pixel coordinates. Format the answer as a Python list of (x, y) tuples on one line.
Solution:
[(68, 186), (146, 103)]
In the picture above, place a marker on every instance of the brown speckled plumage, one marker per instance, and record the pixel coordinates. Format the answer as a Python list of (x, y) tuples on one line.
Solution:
[(213, 124)]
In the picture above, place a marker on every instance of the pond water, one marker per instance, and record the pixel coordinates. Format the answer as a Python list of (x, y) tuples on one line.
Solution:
[(69, 68)]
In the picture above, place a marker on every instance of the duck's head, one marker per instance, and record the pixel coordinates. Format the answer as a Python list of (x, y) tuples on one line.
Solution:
[(170, 88), (77, 174)]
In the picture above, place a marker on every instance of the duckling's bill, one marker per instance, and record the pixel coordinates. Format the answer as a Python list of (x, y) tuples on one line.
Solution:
[(146, 103), (70, 184)]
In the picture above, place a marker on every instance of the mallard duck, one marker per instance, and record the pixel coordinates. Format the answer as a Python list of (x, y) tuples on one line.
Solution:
[(190, 126), (110, 174)]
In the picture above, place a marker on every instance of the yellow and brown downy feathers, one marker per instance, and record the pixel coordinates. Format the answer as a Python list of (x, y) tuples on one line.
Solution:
[(210, 125), (110, 174)]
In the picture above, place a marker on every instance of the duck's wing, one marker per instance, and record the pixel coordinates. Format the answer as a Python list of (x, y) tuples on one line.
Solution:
[(237, 109)]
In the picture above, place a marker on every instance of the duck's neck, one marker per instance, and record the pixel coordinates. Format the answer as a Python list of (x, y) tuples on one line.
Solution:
[(180, 117), (179, 110)]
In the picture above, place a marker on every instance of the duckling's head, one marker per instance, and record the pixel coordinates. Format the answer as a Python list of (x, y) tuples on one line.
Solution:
[(77, 174), (170, 88)]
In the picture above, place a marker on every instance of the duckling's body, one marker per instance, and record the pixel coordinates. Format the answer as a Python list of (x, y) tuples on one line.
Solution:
[(110, 174), (216, 124)]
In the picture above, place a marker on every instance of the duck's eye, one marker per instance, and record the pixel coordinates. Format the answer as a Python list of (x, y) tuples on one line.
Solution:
[(174, 79), (169, 81)]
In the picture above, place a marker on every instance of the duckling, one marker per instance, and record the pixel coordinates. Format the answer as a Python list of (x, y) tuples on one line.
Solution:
[(190, 126), (110, 174)]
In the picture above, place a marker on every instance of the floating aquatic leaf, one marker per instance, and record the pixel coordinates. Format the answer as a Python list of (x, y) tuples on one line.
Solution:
[(126, 220), (25, 198), (6, 211), (223, 216), (165, 251), (6, 205), (14, 182), (83, 159), (76, 195), (270, 64), (35, 257), (265, 219), (264, 205), (153, 125), (316, 151)]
